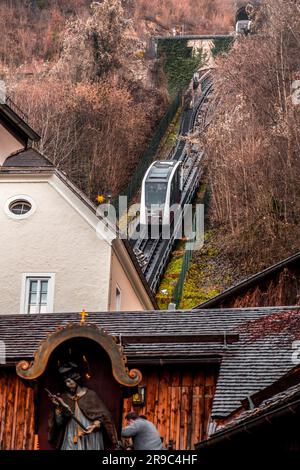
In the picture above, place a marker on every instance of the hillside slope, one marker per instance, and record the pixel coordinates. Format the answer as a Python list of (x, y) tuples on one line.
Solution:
[(252, 158)]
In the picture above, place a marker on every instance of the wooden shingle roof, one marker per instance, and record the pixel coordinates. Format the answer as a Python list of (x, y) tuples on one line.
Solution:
[(252, 352)]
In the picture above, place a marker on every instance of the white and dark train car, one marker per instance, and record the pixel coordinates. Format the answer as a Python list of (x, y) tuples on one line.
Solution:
[(161, 189), (243, 27), (243, 17)]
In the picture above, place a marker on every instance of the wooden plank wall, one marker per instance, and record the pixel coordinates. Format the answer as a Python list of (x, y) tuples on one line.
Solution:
[(16, 413), (178, 402), (276, 289)]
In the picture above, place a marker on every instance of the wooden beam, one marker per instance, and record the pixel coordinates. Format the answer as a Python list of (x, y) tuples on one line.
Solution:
[(209, 338)]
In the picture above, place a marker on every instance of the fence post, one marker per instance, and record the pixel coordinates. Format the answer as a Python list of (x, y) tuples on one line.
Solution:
[(177, 292)]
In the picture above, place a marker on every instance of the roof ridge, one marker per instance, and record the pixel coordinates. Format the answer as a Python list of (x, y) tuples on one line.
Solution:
[(247, 281), (183, 315)]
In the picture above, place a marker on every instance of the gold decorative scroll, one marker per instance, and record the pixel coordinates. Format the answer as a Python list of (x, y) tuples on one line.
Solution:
[(33, 370)]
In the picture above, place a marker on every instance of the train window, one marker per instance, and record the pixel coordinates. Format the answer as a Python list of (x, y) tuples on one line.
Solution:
[(243, 26), (177, 186), (155, 193), (173, 189)]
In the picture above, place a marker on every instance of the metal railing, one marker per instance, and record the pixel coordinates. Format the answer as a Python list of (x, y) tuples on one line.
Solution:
[(188, 253), (149, 154), (156, 266)]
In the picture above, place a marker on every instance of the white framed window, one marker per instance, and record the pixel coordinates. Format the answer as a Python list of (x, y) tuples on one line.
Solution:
[(118, 298), (37, 294), (19, 207)]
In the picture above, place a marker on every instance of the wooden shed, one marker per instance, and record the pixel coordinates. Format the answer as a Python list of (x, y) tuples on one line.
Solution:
[(185, 371)]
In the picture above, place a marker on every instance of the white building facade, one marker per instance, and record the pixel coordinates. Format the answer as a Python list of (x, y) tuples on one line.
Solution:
[(56, 255)]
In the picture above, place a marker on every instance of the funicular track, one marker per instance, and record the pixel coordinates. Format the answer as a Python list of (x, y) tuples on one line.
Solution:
[(153, 253)]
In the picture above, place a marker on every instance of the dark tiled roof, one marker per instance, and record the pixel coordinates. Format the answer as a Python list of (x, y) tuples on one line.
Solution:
[(269, 405), (250, 282), (248, 367), (15, 118), (264, 354), (27, 158), (260, 357), (283, 403)]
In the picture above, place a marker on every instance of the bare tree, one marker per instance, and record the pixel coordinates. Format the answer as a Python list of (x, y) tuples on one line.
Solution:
[(253, 143)]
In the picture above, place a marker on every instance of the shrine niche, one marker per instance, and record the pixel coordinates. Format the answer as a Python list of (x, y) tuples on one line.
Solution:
[(84, 355)]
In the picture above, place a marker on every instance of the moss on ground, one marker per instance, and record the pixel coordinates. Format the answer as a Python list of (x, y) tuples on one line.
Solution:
[(204, 279), (208, 275), (169, 140), (193, 294), (169, 281)]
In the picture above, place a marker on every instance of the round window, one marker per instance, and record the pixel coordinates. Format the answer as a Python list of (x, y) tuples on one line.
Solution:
[(20, 207)]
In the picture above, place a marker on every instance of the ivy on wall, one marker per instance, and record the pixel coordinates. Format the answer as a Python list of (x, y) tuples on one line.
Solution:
[(222, 46), (179, 62)]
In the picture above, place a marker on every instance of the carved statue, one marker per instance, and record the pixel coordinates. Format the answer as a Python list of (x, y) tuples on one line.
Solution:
[(80, 420)]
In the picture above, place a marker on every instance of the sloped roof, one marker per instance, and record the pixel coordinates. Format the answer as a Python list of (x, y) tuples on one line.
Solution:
[(250, 282), (269, 405), (264, 353), (259, 357), (282, 404), (280, 398), (16, 119), (29, 157)]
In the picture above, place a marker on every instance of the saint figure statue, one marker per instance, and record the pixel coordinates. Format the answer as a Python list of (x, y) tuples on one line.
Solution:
[(80, 420)]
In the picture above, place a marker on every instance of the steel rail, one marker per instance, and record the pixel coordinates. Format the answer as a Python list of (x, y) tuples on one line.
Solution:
[(157, 251)]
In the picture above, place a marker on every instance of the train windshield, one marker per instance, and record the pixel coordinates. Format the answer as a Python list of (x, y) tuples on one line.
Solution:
[(155, 193)]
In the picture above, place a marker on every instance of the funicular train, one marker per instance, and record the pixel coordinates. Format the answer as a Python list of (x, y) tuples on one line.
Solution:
[(244, 16), (161, 189)]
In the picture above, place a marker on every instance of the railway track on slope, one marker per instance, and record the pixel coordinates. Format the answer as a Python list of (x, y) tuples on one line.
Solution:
[(153, 253)]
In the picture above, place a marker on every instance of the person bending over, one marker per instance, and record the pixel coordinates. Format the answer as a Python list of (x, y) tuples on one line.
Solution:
[(144, 434)]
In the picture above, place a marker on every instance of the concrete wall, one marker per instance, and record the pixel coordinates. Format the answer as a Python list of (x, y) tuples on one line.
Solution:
[(206, 45), (129, 298), (55, 239)]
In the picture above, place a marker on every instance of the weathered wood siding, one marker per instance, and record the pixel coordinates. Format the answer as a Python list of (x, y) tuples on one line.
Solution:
[(16, 413), (178, 402), (278, 290)]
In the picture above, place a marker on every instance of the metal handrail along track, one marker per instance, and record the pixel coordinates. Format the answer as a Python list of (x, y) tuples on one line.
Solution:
[(156, 252)]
